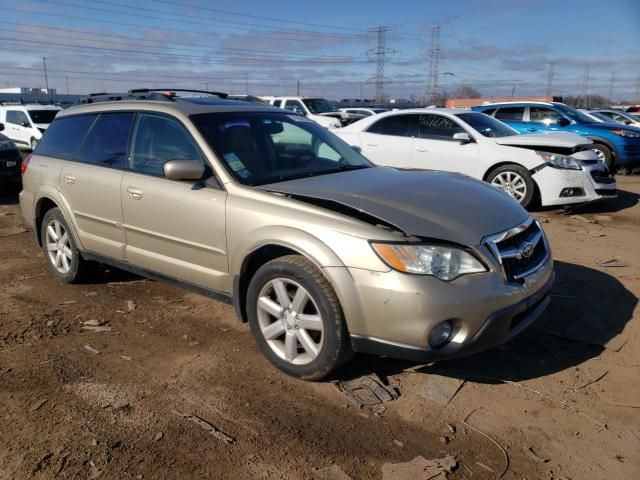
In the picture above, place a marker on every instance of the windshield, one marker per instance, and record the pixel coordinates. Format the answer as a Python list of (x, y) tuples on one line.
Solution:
[(263, 147), (318, 105), (574, 114), (486, 125), (42, 116)]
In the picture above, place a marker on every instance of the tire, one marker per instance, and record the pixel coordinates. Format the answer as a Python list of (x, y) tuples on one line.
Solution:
[(33, 144), (308, 342), (603, 153), (60, 250), (514, 180)]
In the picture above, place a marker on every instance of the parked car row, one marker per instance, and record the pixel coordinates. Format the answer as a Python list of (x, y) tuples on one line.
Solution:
[(315, 246), (10, 163)]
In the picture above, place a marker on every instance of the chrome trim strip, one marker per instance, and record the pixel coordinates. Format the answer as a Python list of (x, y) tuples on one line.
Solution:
[(179, 241)]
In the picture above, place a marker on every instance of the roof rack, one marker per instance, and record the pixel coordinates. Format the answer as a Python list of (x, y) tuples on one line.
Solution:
[(166, 94)]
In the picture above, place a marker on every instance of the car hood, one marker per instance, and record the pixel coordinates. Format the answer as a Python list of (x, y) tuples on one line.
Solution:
[(551, 139), (428, 204)]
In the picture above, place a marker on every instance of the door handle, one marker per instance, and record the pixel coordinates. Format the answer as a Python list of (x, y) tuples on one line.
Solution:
[(70, 179), (372, 144), (421, 149), (134, 193)]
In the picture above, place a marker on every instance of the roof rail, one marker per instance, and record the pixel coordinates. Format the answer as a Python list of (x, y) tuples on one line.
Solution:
[(169, 90), (166, 94)]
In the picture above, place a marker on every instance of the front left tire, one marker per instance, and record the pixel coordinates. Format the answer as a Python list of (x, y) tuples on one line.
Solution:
[(296, 319), (514, 180)]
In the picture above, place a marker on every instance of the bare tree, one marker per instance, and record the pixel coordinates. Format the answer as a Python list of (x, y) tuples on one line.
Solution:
[(465, 91)]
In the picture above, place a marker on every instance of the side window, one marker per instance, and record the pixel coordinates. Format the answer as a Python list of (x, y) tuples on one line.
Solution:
[(543, 115), (437, 127), (396, 125), (12, 116), (294, 106), (156, 140), (489, 111), (510, 113), (22, 119), (277, 103), (64, 136), (108, 140)]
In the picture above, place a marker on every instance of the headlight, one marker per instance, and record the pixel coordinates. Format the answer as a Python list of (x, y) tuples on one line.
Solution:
[(443, 262), (625, 133), (560, 161)]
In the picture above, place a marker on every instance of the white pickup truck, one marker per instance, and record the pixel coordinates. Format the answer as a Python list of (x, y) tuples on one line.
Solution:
[(317, 109)]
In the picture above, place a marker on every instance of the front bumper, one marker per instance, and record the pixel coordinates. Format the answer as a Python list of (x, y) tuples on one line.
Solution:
[(391, 313), (593, 181)]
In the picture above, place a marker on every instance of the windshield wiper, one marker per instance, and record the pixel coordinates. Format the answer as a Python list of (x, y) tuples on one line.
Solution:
[(341, 168)]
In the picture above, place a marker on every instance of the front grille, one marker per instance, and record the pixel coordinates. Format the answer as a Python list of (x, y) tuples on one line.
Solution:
[(521, 250)]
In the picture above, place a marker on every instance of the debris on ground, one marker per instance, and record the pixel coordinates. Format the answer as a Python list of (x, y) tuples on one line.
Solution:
[(332, 472), (7, 232), (534, 456), (596, 233), (213, 430), (439, 388), (398, 443), (95, 471), (89, 348), (591, 380), (419, 469), (367, 390), (158, 436), (96, 329), (451, 428), (36, 406), (444, 439), (22, 278), (131, 305), (613, 263), (68, 302), (486, 467), (466, 423), (126, 357), (583, 219), (94, 323)]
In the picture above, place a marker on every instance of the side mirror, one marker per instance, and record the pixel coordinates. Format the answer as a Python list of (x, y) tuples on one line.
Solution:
[(184, 170), (563, 122), (1, 127), (462, 137)]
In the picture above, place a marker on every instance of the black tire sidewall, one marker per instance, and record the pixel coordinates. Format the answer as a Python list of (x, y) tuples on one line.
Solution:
[(73, 273), (527, 201), (326, 360)]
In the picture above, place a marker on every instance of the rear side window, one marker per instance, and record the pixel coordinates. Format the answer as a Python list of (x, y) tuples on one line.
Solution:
[(108, 140), (277, 103), (64, 136), (510, 113), (488, 111), (397, 125), (157, 140)]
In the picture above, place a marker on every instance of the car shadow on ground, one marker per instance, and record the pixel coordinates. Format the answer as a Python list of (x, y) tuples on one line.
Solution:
[(588, 310)]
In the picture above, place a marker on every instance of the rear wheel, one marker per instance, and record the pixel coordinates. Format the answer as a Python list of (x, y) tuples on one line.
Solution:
[(60, 248), (296, 318), (514, 180)]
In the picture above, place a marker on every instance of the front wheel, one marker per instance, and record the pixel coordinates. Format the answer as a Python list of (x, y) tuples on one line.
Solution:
[(296, 318), (514, 180)]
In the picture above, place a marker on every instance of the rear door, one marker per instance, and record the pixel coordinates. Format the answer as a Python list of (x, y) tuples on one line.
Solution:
[(435, 149), (389, 140), (173, 228), (515, 118), (91, 182)]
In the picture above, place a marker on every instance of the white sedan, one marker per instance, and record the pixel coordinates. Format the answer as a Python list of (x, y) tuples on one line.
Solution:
[(551, 168)]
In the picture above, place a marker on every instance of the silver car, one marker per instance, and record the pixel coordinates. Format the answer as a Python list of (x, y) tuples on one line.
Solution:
[(323, 253)]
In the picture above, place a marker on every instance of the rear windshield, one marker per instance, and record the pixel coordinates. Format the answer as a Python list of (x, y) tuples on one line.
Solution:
[(42, 116), (486, 125), (263, 147)]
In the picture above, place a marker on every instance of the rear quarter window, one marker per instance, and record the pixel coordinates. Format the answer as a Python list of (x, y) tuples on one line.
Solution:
[(64, 136)]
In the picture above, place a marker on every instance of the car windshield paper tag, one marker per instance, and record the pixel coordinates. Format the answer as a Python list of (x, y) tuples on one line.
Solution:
[(236, 165)]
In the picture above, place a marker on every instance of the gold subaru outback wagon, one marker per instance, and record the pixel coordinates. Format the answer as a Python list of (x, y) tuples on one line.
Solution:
[(322, 252)]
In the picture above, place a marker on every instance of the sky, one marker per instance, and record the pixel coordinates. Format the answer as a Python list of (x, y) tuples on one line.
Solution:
[(266, 48)]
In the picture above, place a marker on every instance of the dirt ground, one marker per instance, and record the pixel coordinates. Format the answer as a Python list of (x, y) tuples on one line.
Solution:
[(76, 403)]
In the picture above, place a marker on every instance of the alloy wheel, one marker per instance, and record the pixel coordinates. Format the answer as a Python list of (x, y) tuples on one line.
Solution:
[(58, 246), (512, 183), (290, 321), (600, 154)]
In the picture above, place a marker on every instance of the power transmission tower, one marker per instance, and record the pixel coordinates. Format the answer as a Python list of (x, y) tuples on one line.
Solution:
[(46, 79), (612, 83), (552, 67), (434, 57), (379, 56), (585, 86)]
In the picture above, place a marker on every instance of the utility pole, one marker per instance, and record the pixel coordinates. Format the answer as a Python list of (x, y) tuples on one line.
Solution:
[(46, 79), (434, 57), (379, 56), (552, 67), (361, 91), (585, 86), (297, 88), (513, 90), (246, 83), (206, 84), (66, 79), (612, 82)]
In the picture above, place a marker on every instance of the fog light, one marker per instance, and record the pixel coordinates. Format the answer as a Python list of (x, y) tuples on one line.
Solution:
[(572, 192), (440, 335)]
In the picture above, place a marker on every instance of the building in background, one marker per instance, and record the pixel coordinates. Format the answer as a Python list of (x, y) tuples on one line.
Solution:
[(37, 95)]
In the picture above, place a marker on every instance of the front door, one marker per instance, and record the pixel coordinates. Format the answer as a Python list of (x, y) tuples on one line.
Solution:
[(388, 141), (173, 228), (435, 149)]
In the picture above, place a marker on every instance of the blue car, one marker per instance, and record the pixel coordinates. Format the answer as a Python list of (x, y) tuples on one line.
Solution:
[(617, 145)]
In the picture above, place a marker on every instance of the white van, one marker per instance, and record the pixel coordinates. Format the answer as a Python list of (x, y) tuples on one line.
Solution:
[(25, 124)]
